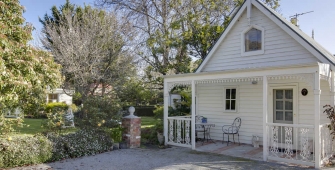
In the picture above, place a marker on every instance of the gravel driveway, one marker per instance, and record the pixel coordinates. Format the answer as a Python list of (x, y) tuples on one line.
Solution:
[(169, 158)]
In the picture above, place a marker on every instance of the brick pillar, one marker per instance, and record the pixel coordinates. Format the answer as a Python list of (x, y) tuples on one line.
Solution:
[(132, 130)]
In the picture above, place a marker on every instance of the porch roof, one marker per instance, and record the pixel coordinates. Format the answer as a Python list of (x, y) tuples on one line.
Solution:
[(243, 73)]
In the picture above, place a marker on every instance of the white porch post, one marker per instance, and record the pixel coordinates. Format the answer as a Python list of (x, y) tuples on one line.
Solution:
[(332, 88), (193, 115), (317, 136), (166, 107), (265, 118)]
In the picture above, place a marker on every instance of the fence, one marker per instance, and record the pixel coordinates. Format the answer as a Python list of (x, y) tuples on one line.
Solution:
[(292, 143), (179, 131)]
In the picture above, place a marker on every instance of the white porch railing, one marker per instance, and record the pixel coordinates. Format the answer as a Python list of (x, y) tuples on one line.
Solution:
[(179, 131), (292, 143), (327, 145)]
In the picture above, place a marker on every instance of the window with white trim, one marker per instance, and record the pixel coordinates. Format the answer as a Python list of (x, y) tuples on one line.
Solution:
[(252, 41), (230, 99), (52, 98)]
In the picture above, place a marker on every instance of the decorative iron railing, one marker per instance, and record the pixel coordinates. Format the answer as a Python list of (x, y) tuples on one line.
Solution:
[(293, 143), (327, 145), (179, 131)]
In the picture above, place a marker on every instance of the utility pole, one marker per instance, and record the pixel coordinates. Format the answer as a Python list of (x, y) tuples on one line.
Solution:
[(294, 18)]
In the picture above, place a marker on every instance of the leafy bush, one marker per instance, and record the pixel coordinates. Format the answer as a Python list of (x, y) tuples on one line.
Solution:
[(24, 150), (56, 107), (149, 135), (116, 134), (81, 143), (97, 110), (159, 112), (55, 114), (7, 125), (329, 110), (55, 121)]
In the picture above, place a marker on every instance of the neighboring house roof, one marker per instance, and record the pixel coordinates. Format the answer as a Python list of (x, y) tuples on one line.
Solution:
[(306, 41)]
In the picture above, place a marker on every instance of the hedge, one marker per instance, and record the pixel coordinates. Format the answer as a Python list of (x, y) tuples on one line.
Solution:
[(24, 150), (81, 143), (142, 110)]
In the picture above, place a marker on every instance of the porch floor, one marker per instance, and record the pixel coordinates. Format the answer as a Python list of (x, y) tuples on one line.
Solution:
[(243, 151)]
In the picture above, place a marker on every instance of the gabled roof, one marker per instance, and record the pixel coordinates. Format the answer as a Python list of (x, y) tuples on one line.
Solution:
[(306, 41)]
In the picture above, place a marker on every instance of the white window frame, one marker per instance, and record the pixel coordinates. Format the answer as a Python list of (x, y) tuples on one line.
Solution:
[(53, 94), (251, 53), (236, 100)]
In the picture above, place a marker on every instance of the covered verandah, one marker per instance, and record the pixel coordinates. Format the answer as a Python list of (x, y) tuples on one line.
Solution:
[(312, 142)]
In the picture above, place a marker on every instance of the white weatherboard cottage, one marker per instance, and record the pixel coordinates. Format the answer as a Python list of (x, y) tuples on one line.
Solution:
[(273, 76)]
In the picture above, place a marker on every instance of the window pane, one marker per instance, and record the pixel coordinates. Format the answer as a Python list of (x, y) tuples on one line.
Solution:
[(227, 104), (288, 105), (288, 94), (253, 40), (227, 93), (279, 115), (233, 93), (288, 116), (233, 104), (279, 94), (279, 105)]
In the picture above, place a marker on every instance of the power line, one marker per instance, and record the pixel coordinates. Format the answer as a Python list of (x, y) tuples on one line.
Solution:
[(294, 18)]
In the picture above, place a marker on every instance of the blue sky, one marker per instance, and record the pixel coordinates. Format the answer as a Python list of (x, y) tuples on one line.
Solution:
[(322, 20)]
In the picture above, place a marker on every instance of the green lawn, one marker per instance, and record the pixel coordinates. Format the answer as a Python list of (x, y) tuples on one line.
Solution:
[(147, 121), (34, 126)]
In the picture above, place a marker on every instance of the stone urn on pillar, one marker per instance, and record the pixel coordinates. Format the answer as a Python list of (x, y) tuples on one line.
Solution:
[(132, 129)]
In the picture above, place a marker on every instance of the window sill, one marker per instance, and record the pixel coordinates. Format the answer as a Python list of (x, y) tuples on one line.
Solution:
[(251, 53), (230, 111)]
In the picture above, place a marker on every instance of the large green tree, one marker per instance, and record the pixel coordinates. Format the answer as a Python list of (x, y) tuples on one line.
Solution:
[(25, 72), (173, 31), (91, 45)]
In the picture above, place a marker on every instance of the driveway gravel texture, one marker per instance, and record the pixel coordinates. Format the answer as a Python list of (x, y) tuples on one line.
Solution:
[(151, 158)]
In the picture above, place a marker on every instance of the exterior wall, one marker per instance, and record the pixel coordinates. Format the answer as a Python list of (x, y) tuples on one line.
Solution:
[(65, 98), (62, 97), (280, 48), (210, 104)]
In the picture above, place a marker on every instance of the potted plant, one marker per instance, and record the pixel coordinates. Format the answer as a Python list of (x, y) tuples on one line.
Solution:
[(159, 130), (204, 120), (116, 135)]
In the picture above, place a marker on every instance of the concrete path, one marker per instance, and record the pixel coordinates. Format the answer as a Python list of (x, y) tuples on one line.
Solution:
[(169, 158)]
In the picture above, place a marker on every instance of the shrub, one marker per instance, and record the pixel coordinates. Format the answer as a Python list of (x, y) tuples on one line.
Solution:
[(98, 110), (56, 107), (24, 150), (149, 135), (55, 114), (7, 125), (81, 143), (329, 110), (116, 134)]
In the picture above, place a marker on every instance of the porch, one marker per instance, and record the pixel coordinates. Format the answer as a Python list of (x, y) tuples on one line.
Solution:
[(289, 143), (246, 151), (304, 141)]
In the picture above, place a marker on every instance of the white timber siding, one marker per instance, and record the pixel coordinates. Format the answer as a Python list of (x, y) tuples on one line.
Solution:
[(210, 104), (280, 48), (65, 98)]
